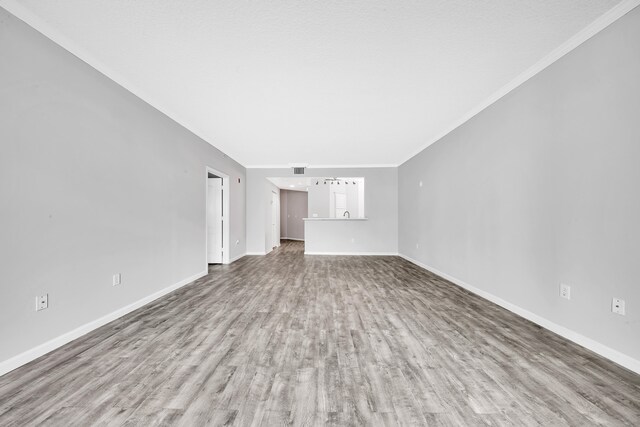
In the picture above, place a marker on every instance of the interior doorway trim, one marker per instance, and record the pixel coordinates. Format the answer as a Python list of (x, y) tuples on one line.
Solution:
[(225, 215)]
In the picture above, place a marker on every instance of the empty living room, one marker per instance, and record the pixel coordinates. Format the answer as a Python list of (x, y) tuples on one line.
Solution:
[(319, 213)]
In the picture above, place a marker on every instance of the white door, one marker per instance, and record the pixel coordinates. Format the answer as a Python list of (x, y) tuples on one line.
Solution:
[(214, 221), (275, 219), (340, 204)]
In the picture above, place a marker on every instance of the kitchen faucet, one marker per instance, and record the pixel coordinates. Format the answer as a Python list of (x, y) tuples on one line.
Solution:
[(347, 214)]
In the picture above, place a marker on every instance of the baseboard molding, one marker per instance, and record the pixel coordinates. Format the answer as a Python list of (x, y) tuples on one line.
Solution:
[(598, 348), (42, 349), (353, 253), (292, 238), (234, 259), (256, 253)]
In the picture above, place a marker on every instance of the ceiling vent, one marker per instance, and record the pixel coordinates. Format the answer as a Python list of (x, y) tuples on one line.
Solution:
[(298, 168)]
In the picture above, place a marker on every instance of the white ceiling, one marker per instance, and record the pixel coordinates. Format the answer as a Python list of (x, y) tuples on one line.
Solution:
[(293, 183), (332, 82)]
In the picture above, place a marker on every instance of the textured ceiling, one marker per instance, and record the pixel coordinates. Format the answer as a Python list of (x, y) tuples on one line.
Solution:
[(322, 82)]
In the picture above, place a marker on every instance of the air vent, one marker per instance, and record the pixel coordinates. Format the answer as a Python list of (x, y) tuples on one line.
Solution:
[(298, 171)]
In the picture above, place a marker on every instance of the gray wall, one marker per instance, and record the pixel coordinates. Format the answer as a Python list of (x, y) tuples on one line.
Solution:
[(543, 187), (93, 181), (294, 207), (319, 197), (379, 233)]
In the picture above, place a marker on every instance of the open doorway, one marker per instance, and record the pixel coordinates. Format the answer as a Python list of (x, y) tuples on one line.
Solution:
[(217, 207), (293, 211), (290, 195)]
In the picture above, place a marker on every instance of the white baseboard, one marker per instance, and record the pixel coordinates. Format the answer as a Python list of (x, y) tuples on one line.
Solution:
[(256, 253), (235, 258), (599, 348), (292, 238), (42, 349), (353, 253)]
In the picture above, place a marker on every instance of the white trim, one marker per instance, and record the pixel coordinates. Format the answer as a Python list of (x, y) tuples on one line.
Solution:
[(236, 258), (256, 253), (324, 166), (602, 22), (353, 253), (42, 349), (598, 348), (292, 238), (275, 236)]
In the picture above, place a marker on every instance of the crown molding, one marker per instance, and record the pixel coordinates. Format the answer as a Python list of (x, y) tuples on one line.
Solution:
[(21, 12), (602, 22), (325, 166), (46, 29)]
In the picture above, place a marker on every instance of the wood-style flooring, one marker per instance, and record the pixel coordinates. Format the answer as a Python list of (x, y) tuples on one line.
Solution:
[(288, 339)]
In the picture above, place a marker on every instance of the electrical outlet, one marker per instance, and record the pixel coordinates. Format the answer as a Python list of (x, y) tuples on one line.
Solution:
[(42, 302), (565, 291), (420, 184), (617, 306), (117, 279), (353, 240), (417, 245)]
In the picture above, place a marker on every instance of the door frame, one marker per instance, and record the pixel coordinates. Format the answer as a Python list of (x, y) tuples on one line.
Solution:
[(226, 245), (275, 222)]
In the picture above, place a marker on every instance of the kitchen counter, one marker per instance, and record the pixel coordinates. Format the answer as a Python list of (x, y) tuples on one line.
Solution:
[(335, 219)]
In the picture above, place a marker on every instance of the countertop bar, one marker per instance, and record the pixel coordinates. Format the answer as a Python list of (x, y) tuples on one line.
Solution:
[(335, 219)]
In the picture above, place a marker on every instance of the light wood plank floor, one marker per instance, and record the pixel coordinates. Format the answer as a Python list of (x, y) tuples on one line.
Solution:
[(289, 339)]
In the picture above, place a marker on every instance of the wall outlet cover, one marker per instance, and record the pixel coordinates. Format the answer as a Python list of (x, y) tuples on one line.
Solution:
[(618, 306), (42, 302), (565, 291)]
